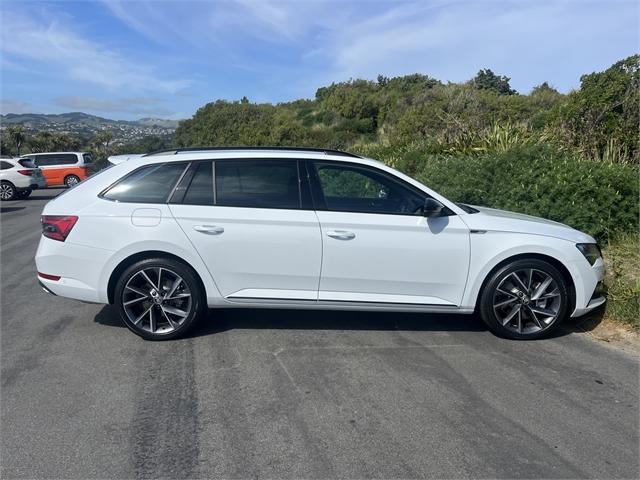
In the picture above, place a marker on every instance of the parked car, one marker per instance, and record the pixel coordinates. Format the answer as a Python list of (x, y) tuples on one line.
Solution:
[(18, 177), (165, 236), (63, 168)]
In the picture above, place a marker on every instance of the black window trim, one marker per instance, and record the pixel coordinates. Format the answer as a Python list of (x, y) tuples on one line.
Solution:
[(320, 203), (102, 194)]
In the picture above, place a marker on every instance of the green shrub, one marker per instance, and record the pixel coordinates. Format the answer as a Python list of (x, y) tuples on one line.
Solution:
[(622, 260), (595, 197)]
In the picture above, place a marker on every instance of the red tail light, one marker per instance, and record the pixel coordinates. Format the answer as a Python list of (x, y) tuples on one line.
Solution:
[(49, 276), (26, 172), (57, 227)]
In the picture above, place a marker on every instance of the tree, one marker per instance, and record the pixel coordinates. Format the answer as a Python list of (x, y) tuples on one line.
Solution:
[(17, 136), (487, 80)]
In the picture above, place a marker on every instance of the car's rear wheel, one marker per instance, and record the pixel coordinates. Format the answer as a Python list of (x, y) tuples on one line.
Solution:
[(71, 180), (525, 299), (7, 191), (159, 298), (23, 194)]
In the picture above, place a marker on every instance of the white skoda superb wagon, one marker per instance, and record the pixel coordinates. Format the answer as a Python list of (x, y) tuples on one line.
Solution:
[(165, 236)]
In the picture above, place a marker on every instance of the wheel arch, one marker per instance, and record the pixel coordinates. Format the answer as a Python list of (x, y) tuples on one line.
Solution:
[(136, 257), (564, 271)]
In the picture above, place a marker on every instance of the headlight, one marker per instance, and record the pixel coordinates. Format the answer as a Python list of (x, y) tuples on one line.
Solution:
[(591, 251)]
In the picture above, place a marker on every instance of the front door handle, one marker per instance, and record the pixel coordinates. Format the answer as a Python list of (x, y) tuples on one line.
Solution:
[(209, 229), (341, 234)]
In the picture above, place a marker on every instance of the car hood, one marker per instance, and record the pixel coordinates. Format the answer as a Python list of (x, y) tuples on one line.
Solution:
[(491, 219)]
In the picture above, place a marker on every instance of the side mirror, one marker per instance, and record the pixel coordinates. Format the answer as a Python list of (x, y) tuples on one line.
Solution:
[(431, 208)]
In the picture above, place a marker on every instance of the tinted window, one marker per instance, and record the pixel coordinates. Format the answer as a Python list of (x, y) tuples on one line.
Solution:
[(200, 190), (355, 189), (257, 183), (5, 165), (56, 159), (87, 158), (26, 163), (150, 184)]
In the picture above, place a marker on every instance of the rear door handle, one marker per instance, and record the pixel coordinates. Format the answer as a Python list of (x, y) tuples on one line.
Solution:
[(209, 229), (341, 234)]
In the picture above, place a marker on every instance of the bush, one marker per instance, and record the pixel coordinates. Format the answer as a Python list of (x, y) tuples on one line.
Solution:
[(598, 198), (622, 260)]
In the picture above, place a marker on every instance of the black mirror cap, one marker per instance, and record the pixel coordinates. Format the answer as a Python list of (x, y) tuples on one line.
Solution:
[(432, 208)]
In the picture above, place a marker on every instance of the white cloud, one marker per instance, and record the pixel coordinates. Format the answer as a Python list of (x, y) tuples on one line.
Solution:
[(54, 42), (15, 106), (136, 105)]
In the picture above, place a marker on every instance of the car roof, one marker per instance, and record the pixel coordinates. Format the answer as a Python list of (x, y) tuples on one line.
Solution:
[(50, 153), (253, 149)]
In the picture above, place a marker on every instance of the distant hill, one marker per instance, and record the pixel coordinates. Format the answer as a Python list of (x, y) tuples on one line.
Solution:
[(85, 126), (35, 120)]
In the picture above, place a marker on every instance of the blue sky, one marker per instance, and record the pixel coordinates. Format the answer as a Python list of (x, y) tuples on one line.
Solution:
[(136, 58)]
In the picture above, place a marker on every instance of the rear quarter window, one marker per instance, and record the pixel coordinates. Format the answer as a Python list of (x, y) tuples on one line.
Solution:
[(150, 184)]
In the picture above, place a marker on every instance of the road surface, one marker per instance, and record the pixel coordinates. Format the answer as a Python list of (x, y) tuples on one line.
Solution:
[(297, 394)]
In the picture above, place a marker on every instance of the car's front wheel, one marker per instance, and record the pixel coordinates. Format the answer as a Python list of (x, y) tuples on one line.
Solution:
[(524, 299), (159, 298)]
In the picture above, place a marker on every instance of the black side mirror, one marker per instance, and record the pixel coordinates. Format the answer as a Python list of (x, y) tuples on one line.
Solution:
[(431, 208)]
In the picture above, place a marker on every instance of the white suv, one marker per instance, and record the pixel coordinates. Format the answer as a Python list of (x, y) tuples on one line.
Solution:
[(166, 235), (18, 178)]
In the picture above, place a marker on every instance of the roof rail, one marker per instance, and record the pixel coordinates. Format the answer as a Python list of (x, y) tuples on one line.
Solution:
[(326, 151)]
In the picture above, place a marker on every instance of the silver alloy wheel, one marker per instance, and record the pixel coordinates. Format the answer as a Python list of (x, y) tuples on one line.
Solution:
[(157, 300), (6, 191), (72, 180), (527, 301)]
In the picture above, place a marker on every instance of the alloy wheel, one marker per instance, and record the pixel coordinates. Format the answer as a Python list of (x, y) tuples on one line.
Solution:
[(527, 301), (157, 300), (6, 191), (71, 181)]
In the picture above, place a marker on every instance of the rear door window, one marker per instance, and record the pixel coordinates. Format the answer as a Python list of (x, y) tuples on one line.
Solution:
[(151, 184), (257, 183)]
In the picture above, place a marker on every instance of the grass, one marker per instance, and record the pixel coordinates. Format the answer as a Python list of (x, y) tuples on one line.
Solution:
[(622, 260)]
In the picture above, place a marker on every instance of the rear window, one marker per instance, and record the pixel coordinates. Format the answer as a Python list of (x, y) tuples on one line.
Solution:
[(258, 184), (5, 165), (151, 184), (87, 158), (27, 163)]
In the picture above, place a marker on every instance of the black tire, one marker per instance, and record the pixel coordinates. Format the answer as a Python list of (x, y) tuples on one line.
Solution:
[(7, 191), (526, 324), (169, 266), (71, 180), (23, 194)]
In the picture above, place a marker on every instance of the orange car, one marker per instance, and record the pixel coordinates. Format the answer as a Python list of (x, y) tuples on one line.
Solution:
[(63, 168)]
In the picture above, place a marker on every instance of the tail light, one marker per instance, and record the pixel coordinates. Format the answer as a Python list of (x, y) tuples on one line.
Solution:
[(26, 172), (57, 227)]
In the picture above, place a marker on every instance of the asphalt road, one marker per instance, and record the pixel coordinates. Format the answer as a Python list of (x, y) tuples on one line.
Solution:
[(297, 394)]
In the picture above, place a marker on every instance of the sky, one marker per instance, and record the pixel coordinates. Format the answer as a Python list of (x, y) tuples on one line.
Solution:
[(157, 58)]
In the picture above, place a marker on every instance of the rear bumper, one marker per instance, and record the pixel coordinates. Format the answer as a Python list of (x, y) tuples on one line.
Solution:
[(79, 268)]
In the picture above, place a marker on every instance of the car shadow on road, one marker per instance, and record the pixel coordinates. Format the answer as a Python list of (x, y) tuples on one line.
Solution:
[(225, 319), (10, 209)]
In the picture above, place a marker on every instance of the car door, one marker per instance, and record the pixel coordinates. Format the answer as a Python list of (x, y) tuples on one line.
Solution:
[(253, 226), (47, 164), (378, 247)]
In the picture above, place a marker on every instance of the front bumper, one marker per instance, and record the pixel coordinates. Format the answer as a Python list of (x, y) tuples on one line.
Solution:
[(589, 286)]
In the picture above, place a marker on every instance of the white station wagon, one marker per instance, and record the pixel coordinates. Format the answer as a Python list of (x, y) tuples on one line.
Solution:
[(163, 236)]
